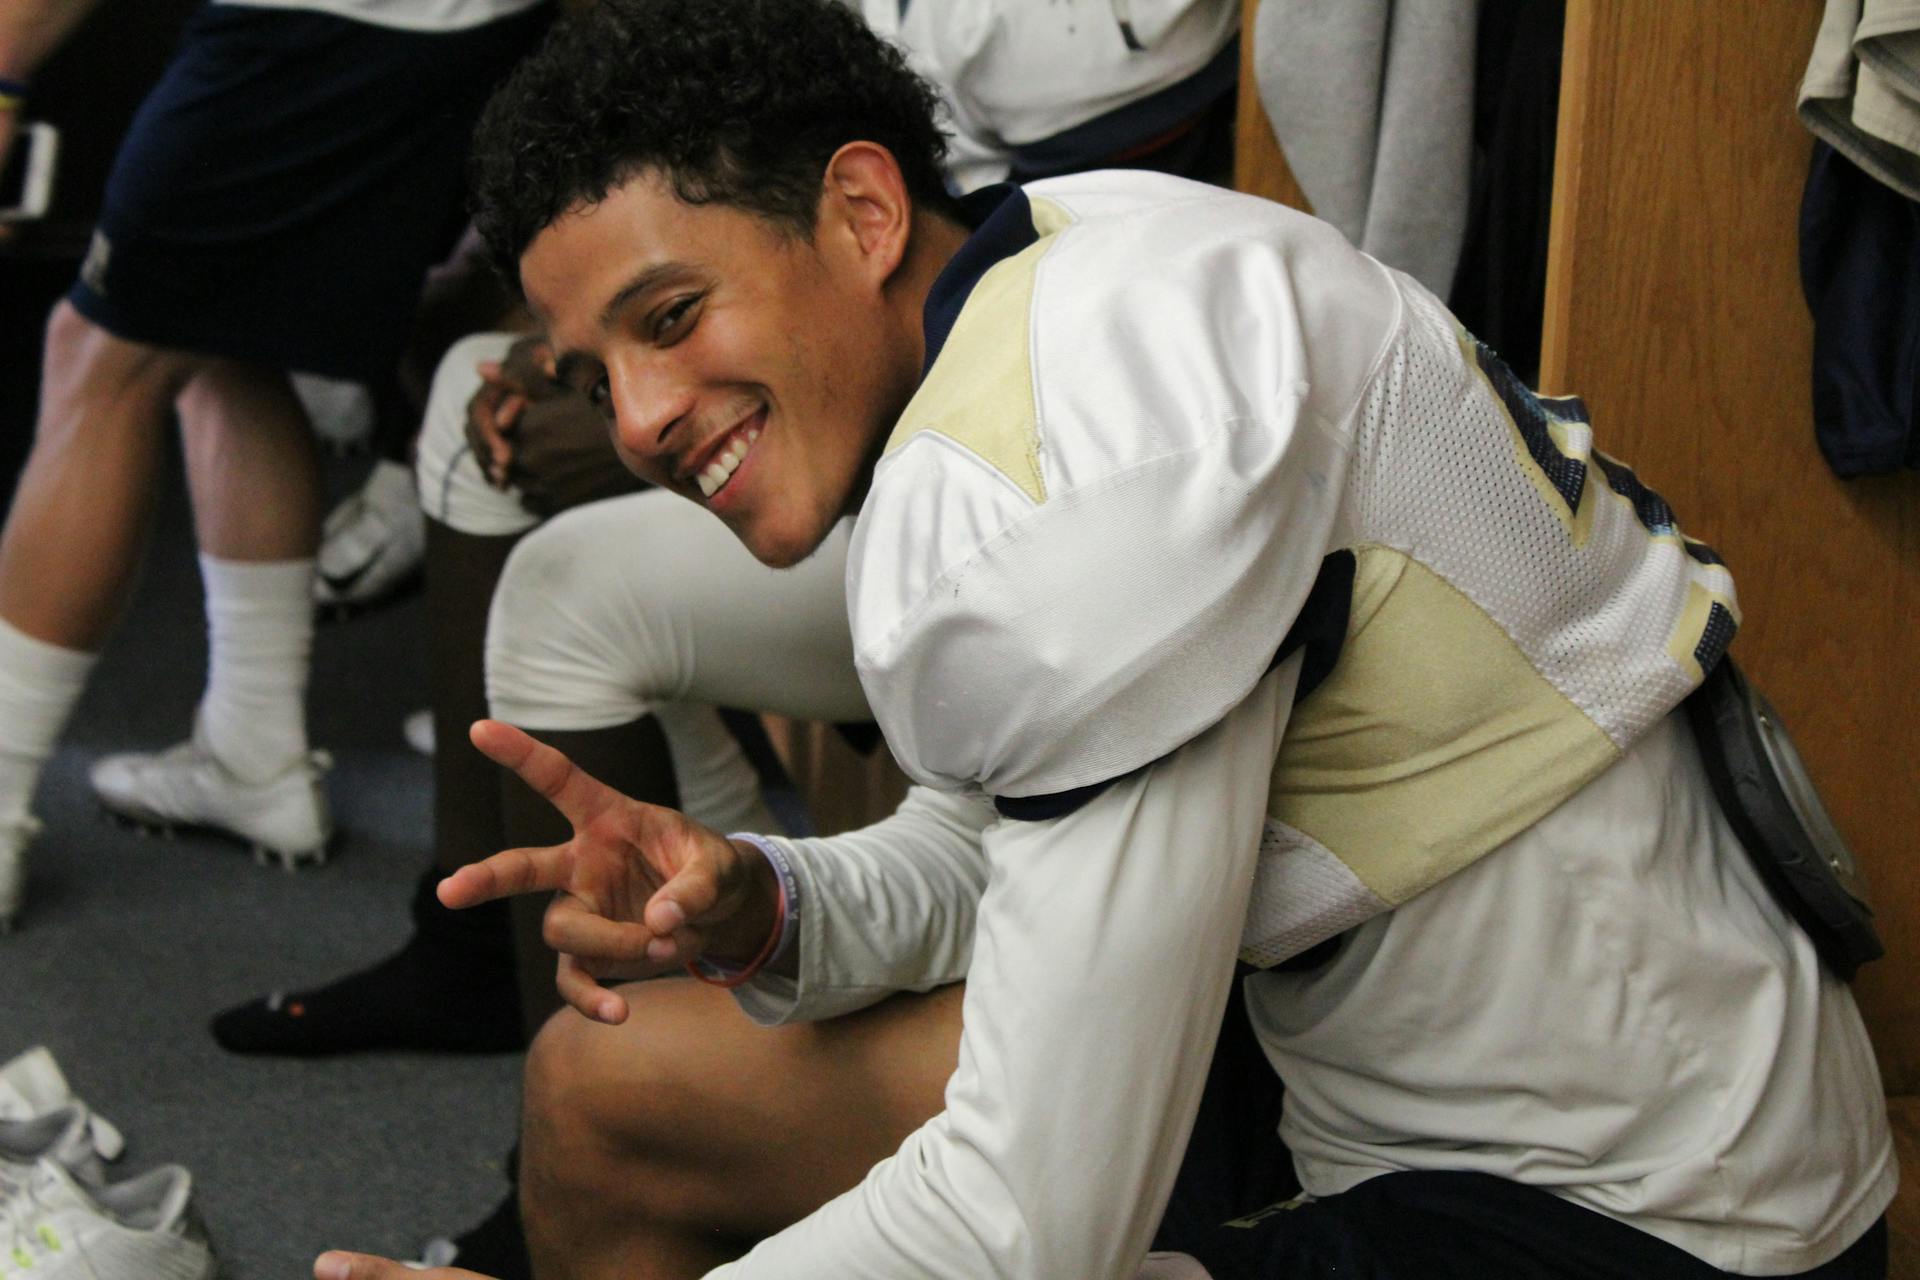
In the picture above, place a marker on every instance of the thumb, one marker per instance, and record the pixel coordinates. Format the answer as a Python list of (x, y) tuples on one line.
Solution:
[(365, 1266), (713, 883), (714, 903)]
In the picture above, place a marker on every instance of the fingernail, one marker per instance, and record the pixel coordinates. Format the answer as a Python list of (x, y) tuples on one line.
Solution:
[(671, 914), (660, 949), (332, 1266), (609, 1013)]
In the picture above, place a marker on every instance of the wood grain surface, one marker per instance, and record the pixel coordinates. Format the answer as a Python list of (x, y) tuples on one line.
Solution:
[(1259, 166), (1674, 307)]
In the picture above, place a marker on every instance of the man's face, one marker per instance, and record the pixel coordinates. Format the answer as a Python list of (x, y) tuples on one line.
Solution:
[(752, 371)]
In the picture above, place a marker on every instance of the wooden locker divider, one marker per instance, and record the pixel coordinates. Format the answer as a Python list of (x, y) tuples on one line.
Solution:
[(843, 789), (1259, 166), (1674, 307)]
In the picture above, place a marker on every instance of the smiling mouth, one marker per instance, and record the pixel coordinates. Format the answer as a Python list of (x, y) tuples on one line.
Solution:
[(715, 474)]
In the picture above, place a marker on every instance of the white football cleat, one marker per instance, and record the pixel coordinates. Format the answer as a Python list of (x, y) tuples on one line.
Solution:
[(341, 412), (373, 544), (62, 1135), (33, 1084), (15, 836), (186, 786), (54, 1228)]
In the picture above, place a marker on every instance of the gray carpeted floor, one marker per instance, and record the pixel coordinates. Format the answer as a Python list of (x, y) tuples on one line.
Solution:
[(129, 944)]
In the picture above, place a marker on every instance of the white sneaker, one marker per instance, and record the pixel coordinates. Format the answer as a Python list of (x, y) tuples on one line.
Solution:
[(417, 729), (373, 543), (33, 1084), (62, 1135), (15, 836), (341, 412), (186, 785), (53, 1228)]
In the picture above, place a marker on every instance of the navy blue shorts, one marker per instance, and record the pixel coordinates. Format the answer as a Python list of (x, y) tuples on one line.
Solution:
[(284, 188), (1232, 1209)]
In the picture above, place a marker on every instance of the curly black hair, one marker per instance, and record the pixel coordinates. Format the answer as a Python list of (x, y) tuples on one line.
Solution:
[(740, 102)]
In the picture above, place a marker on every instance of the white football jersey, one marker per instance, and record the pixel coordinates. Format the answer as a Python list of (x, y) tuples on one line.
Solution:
[(1167, 434)]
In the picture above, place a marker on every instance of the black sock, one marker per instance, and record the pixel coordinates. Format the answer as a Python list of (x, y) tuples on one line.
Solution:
[(450, 989)]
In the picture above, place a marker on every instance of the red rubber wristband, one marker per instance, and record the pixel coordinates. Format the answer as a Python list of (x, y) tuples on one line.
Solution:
[(754, 966)]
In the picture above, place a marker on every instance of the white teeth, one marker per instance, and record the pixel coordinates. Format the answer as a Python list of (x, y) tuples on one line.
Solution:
[(722, 468)]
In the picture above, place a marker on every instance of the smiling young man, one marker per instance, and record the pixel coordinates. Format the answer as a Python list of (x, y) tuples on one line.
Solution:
[(1229, 604)]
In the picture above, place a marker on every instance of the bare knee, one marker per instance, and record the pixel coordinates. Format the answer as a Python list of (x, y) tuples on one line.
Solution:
[(611, 1113), (662, 1126)]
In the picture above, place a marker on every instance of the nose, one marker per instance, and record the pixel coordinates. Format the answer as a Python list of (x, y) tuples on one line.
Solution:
[(652, 402)]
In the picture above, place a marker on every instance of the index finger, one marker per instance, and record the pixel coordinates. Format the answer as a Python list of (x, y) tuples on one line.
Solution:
[(577, 794), (503, 875)]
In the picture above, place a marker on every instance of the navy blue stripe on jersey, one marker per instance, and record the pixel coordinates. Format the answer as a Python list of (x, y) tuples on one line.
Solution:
[(1700, 551), (1653, 510), (1321, 625), (1002, 225), (1715, 637), (1057, 804), (1568, 476), (1650, 507), (1320, 628)]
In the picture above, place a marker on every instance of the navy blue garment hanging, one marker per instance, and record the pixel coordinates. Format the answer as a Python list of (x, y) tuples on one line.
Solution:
[(1860, 269)]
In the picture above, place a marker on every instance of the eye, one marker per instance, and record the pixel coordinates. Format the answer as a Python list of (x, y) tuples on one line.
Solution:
[(600, 395), (670, 323)]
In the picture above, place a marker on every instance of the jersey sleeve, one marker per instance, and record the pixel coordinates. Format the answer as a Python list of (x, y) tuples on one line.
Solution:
[(1101, 965), (890, 907)]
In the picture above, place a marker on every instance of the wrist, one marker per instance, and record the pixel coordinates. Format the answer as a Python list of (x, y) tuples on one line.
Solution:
[(777, 952), (737, 942)]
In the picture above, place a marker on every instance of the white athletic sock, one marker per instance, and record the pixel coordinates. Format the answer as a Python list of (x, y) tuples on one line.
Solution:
[(39, 683), (253, 716)]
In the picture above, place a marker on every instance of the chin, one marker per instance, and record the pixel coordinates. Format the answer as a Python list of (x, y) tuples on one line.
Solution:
[(778, 549)]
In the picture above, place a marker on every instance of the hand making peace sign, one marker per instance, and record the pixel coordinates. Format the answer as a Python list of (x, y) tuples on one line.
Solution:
[(640, 889)]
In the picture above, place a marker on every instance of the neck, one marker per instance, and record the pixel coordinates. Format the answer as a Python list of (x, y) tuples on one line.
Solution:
[(934, 241)]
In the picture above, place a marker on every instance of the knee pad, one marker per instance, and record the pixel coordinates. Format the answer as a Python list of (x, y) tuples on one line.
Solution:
[(566, 647), (583, 636)]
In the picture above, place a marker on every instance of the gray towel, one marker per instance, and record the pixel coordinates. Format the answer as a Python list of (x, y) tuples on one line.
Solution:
[(1372, 101)]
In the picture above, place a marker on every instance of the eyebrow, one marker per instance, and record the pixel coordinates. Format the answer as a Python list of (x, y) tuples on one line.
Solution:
[(647, 278)]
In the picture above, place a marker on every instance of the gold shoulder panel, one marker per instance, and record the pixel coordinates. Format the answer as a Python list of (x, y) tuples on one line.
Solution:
[(979, 393)]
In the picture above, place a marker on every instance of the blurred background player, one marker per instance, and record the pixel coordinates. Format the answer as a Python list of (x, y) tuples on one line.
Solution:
[(274, 206)]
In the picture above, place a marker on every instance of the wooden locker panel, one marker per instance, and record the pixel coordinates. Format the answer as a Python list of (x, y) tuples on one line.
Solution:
[(1674, 308), (843, 789), (1259, 166)]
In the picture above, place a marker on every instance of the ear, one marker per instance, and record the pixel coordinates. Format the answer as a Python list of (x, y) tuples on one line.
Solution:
[(865, 209)]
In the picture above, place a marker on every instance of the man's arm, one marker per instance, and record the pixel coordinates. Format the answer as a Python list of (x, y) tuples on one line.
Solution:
[(29, 31), (32, 29), (890, 907), (1101, 964)]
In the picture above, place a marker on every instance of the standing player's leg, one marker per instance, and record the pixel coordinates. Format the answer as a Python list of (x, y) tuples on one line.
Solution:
[(255, 483), (73, 539), (275, 206)]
